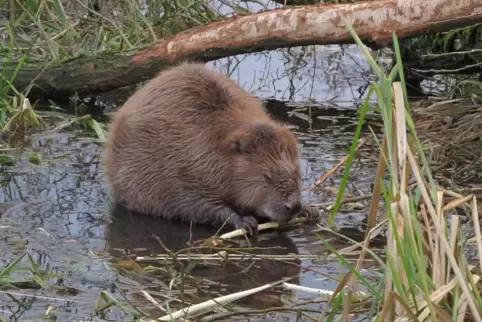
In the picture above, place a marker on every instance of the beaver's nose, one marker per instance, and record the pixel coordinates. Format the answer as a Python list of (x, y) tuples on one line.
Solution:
[(293, 207)]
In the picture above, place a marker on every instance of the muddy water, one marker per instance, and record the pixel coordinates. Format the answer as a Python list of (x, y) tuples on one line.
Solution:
[(63, 215)]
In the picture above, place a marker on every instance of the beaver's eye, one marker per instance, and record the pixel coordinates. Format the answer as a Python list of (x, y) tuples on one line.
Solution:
[(268, 177)]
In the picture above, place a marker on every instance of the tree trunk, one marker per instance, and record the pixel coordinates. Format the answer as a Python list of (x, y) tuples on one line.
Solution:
[(373, 21)]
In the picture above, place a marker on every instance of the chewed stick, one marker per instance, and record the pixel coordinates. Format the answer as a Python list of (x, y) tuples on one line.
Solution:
[(268, 225), (207, 305)]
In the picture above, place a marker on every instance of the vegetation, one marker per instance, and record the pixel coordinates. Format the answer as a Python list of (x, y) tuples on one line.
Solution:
[(422, 273), (58, 30), (54, 31)]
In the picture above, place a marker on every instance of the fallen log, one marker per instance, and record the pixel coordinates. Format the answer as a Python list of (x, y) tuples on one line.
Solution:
[(309, 2), (374, 21), (297, 2)]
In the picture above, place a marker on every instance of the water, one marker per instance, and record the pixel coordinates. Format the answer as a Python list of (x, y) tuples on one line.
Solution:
[(64, 213), (329, 75)]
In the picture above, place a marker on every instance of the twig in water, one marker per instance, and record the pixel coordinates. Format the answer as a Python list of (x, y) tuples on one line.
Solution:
[(180, 266), (224, 315), (204, 306), (329, 205), (66, 124), (320, 292), (222, 255), (448, 71), (37, 296), (342, 162), (153, 301), (466, 52)]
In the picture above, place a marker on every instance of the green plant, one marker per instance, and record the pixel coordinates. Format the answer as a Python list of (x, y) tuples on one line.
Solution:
[(424, 275)]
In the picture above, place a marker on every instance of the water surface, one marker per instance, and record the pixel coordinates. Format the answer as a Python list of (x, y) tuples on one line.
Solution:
[(64, 212)]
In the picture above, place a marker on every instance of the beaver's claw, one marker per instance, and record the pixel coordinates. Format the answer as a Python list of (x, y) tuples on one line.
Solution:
[(310, 213), (248, 223)]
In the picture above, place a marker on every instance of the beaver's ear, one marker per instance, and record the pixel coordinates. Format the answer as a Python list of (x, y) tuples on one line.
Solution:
[(257, 136), (253, 138), (241, 142)]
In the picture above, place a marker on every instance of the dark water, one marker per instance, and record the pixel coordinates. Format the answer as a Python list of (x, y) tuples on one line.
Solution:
[(63, 211)]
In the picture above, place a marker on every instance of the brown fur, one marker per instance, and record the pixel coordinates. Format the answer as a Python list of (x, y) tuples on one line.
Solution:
[(192, 144)]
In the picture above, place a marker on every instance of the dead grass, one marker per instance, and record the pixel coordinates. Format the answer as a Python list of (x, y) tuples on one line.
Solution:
[(53, 30), (450, 130), (423, 271)]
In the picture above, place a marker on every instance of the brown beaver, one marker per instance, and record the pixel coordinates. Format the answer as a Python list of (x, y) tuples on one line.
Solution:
[(192, 144)]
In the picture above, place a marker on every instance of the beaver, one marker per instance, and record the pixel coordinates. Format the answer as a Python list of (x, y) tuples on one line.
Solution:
[(192, 144)]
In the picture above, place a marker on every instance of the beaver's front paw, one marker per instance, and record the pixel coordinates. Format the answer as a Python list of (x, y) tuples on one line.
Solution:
[(310, 213), (248, 223)]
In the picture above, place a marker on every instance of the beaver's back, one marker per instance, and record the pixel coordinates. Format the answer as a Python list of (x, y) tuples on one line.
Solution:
[(190, 91), (165, 140)]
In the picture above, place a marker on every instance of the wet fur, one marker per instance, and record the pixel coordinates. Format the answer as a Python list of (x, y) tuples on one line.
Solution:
[(192, 144)]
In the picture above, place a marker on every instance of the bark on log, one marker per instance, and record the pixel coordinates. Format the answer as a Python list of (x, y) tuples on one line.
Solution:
[(374, 21), (308, 2), (297, 2)]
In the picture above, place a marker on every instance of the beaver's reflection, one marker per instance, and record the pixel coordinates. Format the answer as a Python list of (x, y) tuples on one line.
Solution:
[(130, 233)]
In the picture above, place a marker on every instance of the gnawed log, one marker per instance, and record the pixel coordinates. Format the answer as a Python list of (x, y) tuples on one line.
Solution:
[(308, 2), (374, 21)]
